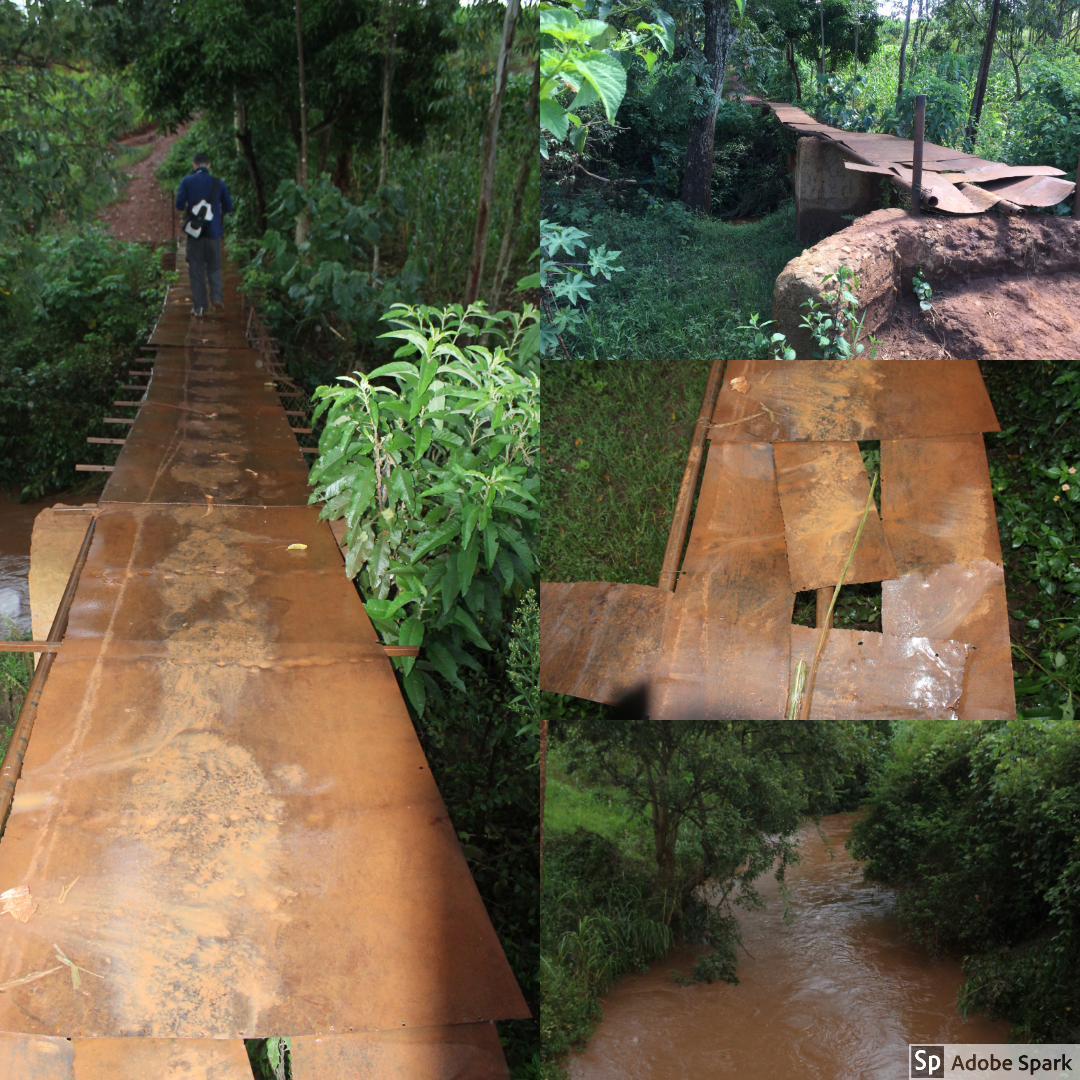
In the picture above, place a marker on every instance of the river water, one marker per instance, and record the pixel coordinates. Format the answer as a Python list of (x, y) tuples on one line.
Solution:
[(834, 994)]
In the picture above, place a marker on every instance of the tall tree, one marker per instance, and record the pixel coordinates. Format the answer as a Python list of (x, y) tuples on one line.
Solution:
[(903, 54), (390, 26), (192, 58), (303, 222), (527, 162), (984, 74), (488, 153), (720, 35)]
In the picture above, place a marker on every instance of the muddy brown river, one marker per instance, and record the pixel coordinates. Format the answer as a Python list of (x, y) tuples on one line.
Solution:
[(834, 994)]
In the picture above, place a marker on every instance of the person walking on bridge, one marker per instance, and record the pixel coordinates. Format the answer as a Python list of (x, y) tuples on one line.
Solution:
[(204, 200)]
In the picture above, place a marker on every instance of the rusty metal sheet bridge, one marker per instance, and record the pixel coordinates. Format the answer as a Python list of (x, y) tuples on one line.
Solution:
[(225, 826), (953, 182)]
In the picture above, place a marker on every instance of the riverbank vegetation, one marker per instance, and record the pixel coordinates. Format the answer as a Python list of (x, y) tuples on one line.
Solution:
[(983, 811)]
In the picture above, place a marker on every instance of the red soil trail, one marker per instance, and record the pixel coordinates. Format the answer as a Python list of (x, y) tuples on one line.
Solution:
[(145, 213)]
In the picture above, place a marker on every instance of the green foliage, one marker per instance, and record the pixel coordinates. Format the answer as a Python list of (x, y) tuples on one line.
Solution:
[(750, 162), (321, 276), (69, 331), (800, 21), (584, 61), (604, 915), (767, 345), (205, 58), (566, 284), (58, 124), (834, 325), (923, 291), (269, 1058), (16, 670), (1044, 127), (435, 481), (978, 822)]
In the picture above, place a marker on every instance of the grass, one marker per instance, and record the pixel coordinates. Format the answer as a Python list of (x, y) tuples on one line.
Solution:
[(618, 420), (572, 803), (15, 672)]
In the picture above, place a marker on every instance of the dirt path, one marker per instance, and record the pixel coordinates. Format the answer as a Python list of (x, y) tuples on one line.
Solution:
[(146, 212)]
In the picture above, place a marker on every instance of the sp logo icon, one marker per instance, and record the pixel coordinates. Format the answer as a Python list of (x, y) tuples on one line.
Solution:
[(926, 1062)]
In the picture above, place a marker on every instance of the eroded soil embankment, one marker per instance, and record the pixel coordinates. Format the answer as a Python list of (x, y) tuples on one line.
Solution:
[(1004, 288), (1022, 321)]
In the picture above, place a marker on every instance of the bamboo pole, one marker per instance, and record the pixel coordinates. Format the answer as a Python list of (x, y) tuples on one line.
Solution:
[(680, 520)]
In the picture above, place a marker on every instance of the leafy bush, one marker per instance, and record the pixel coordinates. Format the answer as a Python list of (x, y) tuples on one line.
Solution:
[(566, 284), (603, 917), (85, 304), (978, 823), (750, 172), (1044, 128), (435, 481), (320, 298)]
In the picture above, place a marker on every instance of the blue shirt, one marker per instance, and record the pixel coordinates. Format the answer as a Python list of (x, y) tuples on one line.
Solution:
[(195, 187)]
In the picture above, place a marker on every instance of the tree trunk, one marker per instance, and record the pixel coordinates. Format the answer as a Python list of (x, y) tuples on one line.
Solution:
[(342, 179), (915, 39), (324, 149), (697, 177), (524, 171), (665, 836), (821, 8), (384, 130), (488, 152), (247, 149), (903, 54), (984, 73), (303, 223), (794, 69), (855, 62)]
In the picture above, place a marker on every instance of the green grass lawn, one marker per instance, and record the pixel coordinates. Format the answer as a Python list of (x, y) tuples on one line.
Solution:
[(617, 427)]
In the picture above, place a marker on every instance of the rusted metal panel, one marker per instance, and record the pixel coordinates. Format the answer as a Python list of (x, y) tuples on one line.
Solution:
[(34, 1057), (875, 395), (867, 674), (1033, 191), (937, 506), (967, 602), (459, 1052), (725, 644), (160, 1059), (599, 640), (226, 814), (823, 493), (738, 536), (718, 670), (1001, 172), (211, 425), (938, 515)]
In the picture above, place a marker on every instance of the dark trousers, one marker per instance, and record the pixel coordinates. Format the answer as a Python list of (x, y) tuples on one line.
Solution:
[(204, 263)]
